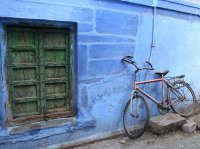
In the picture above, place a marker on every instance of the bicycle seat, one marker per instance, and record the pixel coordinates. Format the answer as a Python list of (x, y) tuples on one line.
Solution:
[(164, 72)]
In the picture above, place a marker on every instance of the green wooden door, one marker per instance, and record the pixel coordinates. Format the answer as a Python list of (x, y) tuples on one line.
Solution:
[(39, 72), (23, 72), (55, 49)]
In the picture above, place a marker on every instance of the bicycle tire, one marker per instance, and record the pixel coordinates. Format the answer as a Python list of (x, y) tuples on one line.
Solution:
[(138, 128), (185, 109)]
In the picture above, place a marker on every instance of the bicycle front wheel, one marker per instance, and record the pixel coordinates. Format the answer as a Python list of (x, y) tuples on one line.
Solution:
[(182, 98), (136, 117)]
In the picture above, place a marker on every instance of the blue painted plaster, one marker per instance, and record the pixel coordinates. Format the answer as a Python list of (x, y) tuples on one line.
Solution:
[(107, 31), (82, 60), (3, 87), (105, 25), (175, 5), (106, 51)]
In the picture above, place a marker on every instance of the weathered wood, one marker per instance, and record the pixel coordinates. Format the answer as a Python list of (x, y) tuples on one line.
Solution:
[(35, 118), (56, 61), (39, 72)]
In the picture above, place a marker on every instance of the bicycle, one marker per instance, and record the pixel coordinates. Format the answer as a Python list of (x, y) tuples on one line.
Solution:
[(180, 98)]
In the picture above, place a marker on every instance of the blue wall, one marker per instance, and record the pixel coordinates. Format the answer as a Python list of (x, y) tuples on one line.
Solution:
[(107, 31)]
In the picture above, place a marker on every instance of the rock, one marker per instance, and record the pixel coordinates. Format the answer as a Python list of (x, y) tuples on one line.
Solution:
[(198, 126), (122, 141), (189, 127), (151, 142), (196, 118), (197, 111), (164, 123)]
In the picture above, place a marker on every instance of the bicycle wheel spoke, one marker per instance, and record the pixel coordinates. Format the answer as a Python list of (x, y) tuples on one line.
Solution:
[(182, 98)]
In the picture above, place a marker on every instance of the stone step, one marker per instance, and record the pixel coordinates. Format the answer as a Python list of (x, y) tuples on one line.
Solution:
[(189, 127), (192, 124), (164, 123), (196, 119)]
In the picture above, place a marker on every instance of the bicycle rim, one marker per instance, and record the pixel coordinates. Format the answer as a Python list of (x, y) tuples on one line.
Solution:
[(182, 98), (135, 126)]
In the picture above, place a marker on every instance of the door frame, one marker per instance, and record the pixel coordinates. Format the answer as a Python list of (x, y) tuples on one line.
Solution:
[(72, 26)]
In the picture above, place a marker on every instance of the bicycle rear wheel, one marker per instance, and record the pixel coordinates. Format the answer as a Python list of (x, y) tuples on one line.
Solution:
[(182, 98), (136, 117)]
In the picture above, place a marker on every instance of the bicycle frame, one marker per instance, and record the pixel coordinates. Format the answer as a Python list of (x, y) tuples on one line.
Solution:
[(162, 79), (136, 83), (164, 82)]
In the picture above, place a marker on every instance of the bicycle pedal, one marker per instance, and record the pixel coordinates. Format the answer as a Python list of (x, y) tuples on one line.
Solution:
[(133, 115), (159, 105), (163, 108)]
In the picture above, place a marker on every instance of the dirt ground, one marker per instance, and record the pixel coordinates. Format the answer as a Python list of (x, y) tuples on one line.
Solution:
[(172, 140)]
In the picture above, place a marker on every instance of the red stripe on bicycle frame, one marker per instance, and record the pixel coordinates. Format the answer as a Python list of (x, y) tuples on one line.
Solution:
[(149, 81)]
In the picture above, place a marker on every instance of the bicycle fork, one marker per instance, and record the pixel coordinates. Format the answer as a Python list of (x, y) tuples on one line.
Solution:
[(131, 105)]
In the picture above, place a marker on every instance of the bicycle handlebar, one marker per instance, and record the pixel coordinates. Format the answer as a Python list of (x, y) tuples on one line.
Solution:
[(129, 60), (149, 68)]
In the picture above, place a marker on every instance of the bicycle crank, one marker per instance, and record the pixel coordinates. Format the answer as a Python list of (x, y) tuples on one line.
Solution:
[(162, 110)]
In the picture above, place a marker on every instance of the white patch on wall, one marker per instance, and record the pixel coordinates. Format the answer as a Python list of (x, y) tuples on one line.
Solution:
[(193, 1)]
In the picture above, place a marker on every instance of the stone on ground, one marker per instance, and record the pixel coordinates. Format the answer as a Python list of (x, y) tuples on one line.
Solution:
[(196, 119), (122, 141), (189, 127), (198, 126), (164, 123)]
